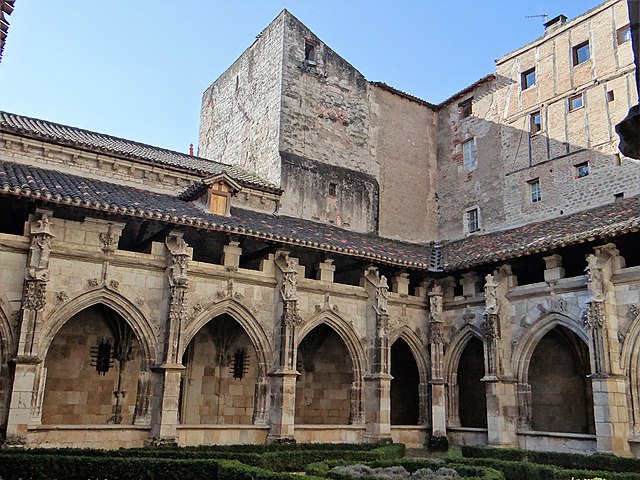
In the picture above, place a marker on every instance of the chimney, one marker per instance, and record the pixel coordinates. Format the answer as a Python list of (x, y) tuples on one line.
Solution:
[(554, 24), (191, 149)]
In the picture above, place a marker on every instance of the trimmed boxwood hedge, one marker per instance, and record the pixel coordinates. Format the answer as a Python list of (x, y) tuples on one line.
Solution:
[(523, 470), (175, 463), (565, 460), (466, 472)]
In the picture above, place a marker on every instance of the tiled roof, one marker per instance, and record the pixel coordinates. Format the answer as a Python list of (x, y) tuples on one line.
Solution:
[(610, 220), (614, 219), (77, 137), (62, 188), (6, 7)]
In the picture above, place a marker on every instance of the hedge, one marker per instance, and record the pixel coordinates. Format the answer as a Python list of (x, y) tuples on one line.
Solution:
[(46, 467), (566, 460), (523, 470), (467, 472)]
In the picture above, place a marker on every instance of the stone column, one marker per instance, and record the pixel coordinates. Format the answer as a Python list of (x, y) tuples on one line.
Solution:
[(501, 392), (283, 376), (608, 382), (378, 379), (24, 394), (438, 439), (167, 393), (231, 254)]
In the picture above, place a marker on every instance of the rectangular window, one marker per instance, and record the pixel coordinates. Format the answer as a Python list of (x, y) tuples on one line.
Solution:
[(575, 102), (581, 53), (333, 189), (310, 52), (535, 123), (465, 108), (469, 154), (624, 34), (534, 190), (528, 78), (473, 220), (610, 96), (582, 170)]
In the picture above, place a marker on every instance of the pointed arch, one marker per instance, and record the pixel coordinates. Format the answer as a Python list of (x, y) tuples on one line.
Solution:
[(7, 338), (630, 364), (345, 331), (534, 333), (456, 347), (243, 316), (418, 349), (131, 314)]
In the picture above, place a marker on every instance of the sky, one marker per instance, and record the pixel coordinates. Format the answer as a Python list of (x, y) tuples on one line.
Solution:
[(137, 68)]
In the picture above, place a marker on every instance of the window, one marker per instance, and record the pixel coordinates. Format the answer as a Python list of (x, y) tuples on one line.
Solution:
[(219, 198), (624, 34), (472, 220), (310, 52), (575, 102), (581, 53), (534, 190), (610, 96), (469, 154), (528, 78), (465, 107), (582, 170), (535, 123), (333, 189)]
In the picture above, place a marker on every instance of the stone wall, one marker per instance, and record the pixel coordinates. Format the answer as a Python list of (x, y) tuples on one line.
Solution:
[(403, 139), (240, 115)]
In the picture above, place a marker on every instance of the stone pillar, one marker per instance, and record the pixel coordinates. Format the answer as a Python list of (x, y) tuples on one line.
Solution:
[(283, 376), (260, 408), (24, 394), (501, 392), (378, 379), (608, 383), (326, 271), (400, 284), (470, 284), (553, 268), (165, 416), (231, 253), (438, 385)]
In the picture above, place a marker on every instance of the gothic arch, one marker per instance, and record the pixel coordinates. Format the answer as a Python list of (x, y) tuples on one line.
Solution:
[(532, 336), (418, 349), (243, 316), (122, 306), (455, 349), (630, 365), (7, 340), (345, 331)]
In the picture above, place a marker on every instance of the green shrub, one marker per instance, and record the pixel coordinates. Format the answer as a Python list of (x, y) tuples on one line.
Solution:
[(466, 472), (525, 470), (565, 460)]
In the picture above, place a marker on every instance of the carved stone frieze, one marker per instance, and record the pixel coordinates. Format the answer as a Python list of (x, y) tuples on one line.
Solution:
[(109, 239)]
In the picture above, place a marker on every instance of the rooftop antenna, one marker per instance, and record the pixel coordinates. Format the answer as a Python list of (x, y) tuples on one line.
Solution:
[(542, 15)]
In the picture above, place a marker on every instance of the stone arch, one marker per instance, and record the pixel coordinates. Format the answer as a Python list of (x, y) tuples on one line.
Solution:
[(419, 350), (131, 314), (630, 364), (244, 317), (7, 338), (452, 357), (409, 393), (345, 330), (532, 336), (455, 349)]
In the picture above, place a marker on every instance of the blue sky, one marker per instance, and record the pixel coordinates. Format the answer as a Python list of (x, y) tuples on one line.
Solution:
[(137, 68)]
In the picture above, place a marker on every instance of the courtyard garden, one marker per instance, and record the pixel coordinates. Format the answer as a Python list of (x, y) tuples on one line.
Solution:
[(313, 461)]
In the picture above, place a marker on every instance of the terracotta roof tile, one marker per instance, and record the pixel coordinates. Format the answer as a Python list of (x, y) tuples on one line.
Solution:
[(77, 137)]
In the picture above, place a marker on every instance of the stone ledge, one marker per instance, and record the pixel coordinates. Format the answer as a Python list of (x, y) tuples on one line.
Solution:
[(43, 428), (222, 427), (576, 436)]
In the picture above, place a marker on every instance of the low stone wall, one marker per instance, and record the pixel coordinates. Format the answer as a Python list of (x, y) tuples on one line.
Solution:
[(87, 436), (412, 436), (220, 434), (329, 433), (467, 436), (557, 442)]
